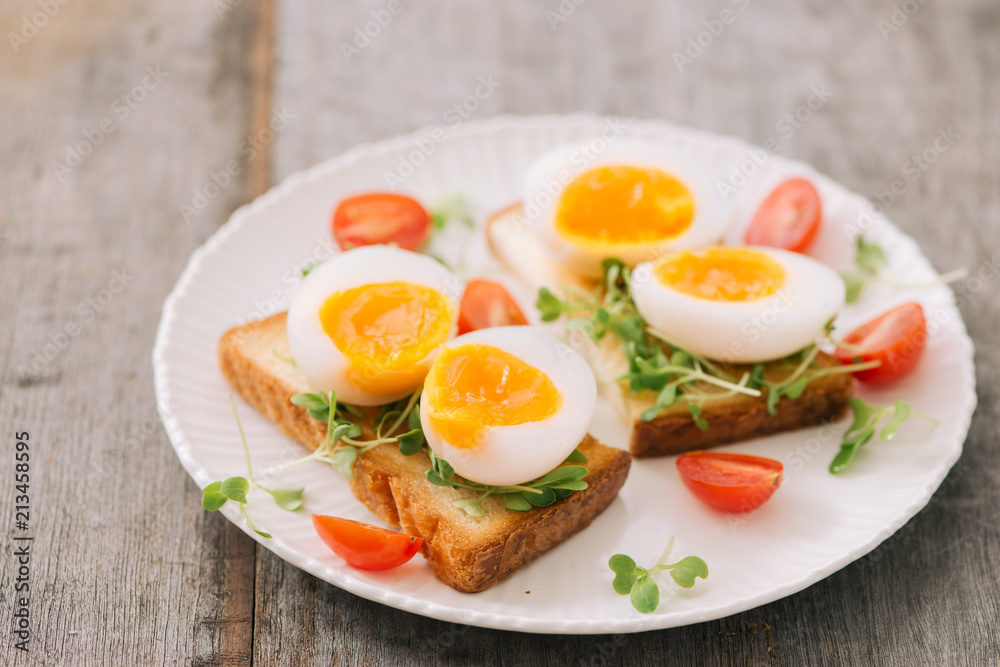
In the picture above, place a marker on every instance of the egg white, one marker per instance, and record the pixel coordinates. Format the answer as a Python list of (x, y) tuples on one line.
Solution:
[(315, 353), (523, 452), (745, 331), (548, 177)]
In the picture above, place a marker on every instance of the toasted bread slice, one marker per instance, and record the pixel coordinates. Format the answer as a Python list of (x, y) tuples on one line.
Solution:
[(730, 418), (468, 553)]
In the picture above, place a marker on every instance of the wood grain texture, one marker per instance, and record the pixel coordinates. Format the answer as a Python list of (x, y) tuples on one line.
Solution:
[(129, 570)]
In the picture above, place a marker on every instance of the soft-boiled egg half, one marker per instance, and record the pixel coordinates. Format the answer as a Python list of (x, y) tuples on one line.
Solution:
[(506, 405), (368, 322), (633, 201), (743, 305)]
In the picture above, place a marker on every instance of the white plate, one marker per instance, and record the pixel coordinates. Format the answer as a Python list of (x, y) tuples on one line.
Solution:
[(815, 525)]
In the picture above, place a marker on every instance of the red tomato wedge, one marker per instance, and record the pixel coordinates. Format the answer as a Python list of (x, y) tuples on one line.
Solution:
[(487, 304), (381, 218), (789, 218), (896, 338), (730, 482), (364, 546)]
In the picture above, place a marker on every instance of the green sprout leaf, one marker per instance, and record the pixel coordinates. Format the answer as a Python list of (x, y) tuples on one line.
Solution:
[(434, 477), (311, 401), (451, 209), (212, 498), (687, 570), (413, 419), (543, 499), (695, 410), (649, 414), (853, 284), (235, 488), (250, 523), (576, 456), (541, 492), (866, 420), (516, 502), (549, 305), (471, 506), (645, 594), (410, 443), (287, 499), (625, 571), (870, 257), (639, 584), (900, 415), (797, 388), (342, 461)]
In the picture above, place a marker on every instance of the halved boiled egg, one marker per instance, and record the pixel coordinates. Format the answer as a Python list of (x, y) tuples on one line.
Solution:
[(368, 322), (633, 201), (506, 405), (743, 305)]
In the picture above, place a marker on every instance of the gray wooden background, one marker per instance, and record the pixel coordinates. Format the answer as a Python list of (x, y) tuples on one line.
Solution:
[(113, 114)]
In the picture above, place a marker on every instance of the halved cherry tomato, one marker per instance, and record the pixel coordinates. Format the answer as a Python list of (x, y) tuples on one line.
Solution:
[(364, 546), (381, 217), (789, 218), (730, 482), (896, 338), (487, 304)]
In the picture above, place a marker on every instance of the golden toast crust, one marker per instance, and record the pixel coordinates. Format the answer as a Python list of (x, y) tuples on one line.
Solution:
[(468, 553)]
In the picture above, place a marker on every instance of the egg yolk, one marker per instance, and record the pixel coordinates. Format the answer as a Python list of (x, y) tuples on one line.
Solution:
[(620, 204), (722, 274), (384, 331), (474, 387)]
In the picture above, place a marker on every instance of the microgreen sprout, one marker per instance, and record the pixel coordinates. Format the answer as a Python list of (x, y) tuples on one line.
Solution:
[(217, 494), (870, 260), (451, 209), (866, 421), (288, 360), (658, 363), (540, 492), (794, 384), (637, 582), (342, 445)]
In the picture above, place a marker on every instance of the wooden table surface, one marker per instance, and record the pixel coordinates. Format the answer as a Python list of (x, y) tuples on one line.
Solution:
[(114, 115)]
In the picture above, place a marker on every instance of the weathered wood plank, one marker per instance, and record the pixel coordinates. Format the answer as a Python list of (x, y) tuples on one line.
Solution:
[(137, 105), (927, 595), (129, 570)]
